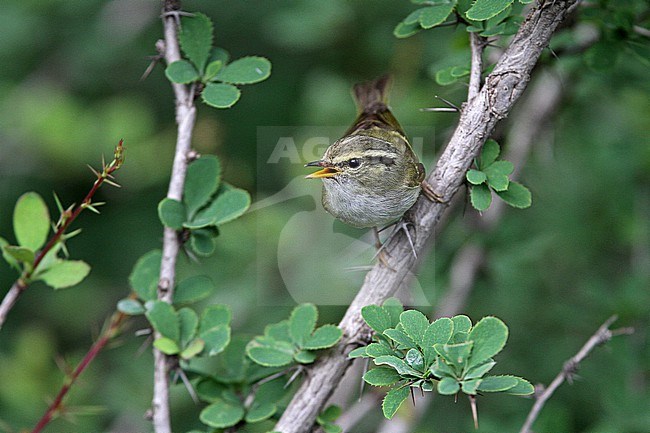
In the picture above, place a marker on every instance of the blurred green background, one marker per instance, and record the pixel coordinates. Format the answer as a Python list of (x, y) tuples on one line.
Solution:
[(70, 89)]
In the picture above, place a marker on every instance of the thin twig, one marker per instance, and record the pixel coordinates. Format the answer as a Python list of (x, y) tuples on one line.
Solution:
[(107, 335), (602, 335), (67, 217), (502, 89), (185, 118)]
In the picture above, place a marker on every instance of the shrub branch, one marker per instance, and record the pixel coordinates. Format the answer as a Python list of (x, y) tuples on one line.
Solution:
[(67, 217), (493, 102), (185, 118)]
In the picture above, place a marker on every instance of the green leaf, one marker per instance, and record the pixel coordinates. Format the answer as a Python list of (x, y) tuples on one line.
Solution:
[(130, 307), (479, 370), (215, 315), (201, 182), (485, 9), (376, 349), (489, 336), (216, 339), (219, 54), (415, 325), (195, 38), (497, 383), (400, 337), (11, 260), (65, 273), (448, 386), (302, 323), (403, 30), (439, 332), (181, 72), (435, 15), (230, 204), (163, 318), (189, 324), (222, 414), (359, 352), (489, 154), (247, 70), (31, 221), (260, 411), (413, 17), (376, 317), (214, 328), (455, 354), (469, 386), (475, 177), (523, 387), (415, 359), (166, 346), (195, 347), (398, 364), (145, 274), (497, 174), (394, 400), (481, 197), (444, 77), (204, 241), (381, 376), (220, 95), (193, 289), (441, 369), (331, 414), (305, 357), (278, 331), (462, 323), (394, 308), (324, 337), (516, 195), (18, 254), (270, 353), (172, 213), (212, 70)]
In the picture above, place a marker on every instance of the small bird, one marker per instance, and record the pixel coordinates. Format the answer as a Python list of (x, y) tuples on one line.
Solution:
[(371, 176)]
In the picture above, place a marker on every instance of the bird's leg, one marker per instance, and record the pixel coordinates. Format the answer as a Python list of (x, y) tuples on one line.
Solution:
[(402, 224), (380, 254), (428, 191)]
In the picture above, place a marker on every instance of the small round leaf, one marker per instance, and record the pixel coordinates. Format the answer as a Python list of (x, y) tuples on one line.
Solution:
[(222, 414), (247, 70), (65, 273), (171, 213), (181, 72), (220, 95)]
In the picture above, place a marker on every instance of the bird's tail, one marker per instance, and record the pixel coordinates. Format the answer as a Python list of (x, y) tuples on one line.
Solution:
[(372, 99)]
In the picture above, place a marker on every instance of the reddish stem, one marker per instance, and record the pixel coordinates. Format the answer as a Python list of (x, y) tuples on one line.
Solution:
[(106, 336)]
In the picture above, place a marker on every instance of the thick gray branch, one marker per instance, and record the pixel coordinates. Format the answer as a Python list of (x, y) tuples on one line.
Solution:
[(185, 118), (502, 88)]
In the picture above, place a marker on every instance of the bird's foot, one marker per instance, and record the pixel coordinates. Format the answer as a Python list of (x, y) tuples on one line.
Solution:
[(428, 191)]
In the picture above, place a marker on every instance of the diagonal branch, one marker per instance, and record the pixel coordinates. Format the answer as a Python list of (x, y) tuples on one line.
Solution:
[(185, 118), (602, 335), (501, 89)]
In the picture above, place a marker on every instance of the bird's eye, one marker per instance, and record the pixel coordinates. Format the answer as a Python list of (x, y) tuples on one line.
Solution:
[(354, 162)]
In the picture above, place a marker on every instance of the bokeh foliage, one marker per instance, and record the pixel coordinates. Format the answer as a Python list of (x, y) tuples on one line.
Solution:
[(553, 272)]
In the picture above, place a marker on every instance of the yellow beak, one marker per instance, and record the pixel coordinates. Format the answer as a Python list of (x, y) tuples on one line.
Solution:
[(327, 171)]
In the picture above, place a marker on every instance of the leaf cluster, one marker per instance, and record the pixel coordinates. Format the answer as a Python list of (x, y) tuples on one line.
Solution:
[(31, 220), (293, 341), (485, 17), (181, 330), (448, 355), (209, 65), (207, 203), (492, 174)]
